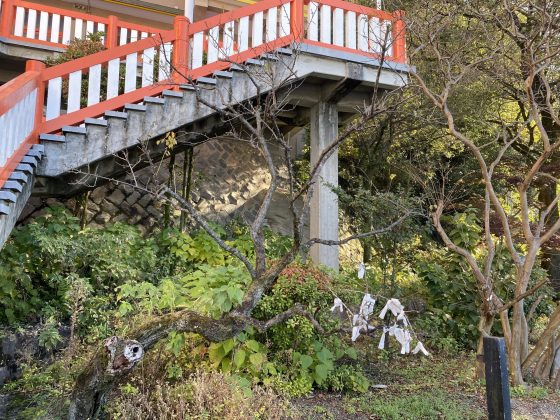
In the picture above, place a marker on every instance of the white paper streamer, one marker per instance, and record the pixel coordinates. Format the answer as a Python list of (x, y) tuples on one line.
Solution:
[(338, 305), (361, 270), (394, 305), (402, 317), (420, 348), (366, 308), (381, 345), (358, 324)]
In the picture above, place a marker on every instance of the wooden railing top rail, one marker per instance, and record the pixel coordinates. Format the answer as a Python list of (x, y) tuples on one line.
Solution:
[(222, 18)]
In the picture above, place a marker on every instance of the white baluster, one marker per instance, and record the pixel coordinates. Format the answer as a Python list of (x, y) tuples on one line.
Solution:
[(198, 50), (363, 33), (243, 34), (74, 91), (229, 37), (130, 73), (94, 85), (19, 23), (213, 43), (2, 130), (113, 69), (338, 27), (271, 24), (78, 28), (123, 36), (55, 28), (89, 27), (375, 35), (325, 24), (164, 59), (148, 66), (257, 35), (101, 28), (350, 30), (54, 94), (285, 19), (313, 21), (66, 30), (387, 37), (43, 26), (31, 24)]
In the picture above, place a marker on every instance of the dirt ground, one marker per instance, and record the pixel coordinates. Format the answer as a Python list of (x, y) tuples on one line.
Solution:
[(431, 388)]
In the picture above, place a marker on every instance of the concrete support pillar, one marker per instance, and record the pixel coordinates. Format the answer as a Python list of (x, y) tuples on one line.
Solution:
[(324, 203), (189, 10)]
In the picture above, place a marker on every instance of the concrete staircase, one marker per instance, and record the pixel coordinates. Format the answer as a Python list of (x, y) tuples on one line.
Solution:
[(17, 190), (82, 146)]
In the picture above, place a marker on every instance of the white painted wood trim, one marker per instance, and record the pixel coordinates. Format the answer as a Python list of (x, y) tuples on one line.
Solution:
[(213, 43), (94, 85), (54, 96), (148, 67), (130, 73), (257, 36), (271, 24), (313, 21), (43, 26), (31, 23), (243, 34), (198, 50), (350, 29), (325, 21), (113, 78), (74, 91), (55, 28)]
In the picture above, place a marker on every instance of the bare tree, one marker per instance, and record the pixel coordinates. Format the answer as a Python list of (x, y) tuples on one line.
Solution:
[(515, 46), (259, 121)]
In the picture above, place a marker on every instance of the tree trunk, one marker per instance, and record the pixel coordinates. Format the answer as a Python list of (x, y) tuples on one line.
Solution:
[(546, 353), (519, 343), (485, 327)]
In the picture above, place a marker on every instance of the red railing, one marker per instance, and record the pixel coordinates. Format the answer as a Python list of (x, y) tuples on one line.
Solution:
[(20, 117), (53, 27), (147, 67)]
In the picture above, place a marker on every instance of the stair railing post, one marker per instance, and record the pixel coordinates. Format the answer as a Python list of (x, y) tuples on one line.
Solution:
[(399, 37), (112, 36), (180, 60), (7, 19), (38, 66), (297, 20)]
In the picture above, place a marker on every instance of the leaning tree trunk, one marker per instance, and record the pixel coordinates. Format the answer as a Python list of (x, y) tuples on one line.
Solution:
[(546, 353)]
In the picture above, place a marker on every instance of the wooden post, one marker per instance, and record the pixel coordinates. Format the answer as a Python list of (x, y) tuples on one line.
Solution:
[(112, 36), (38, 66), (180, 51), (399, 37), (7, 20), (297, 20), (497, 379)]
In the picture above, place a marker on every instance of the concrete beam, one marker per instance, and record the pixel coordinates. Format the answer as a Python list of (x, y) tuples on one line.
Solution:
[(324, 202)]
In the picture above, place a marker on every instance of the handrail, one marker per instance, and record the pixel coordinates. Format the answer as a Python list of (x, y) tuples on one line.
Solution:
[(54, 27), (19, 117), (148, 66)]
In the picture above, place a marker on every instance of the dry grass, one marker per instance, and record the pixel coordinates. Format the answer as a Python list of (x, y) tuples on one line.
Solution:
[(205, 396)]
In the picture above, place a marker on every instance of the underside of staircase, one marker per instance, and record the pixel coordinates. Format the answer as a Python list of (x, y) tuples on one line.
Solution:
[(88, 152)]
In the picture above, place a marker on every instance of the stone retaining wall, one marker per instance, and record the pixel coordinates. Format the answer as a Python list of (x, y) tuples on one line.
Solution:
[(229, 178)]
